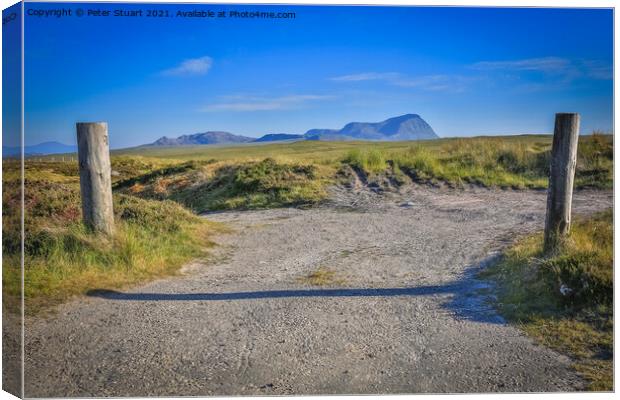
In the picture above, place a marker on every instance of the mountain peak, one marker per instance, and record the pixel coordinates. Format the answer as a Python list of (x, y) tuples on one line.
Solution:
[(404, 117), (403, 127)]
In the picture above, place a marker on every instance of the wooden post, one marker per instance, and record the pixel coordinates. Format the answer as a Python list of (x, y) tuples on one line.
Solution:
[(560, 192), (95, 176)]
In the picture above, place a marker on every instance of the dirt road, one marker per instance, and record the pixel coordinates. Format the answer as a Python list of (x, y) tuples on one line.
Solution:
[(404, 313)]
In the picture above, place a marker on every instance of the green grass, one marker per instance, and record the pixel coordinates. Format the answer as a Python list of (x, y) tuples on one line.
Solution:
[(369, 160), (490, 162), (579, 323), (203, 186), (508, 161), (485, 162), (312, 152), (63, 259)]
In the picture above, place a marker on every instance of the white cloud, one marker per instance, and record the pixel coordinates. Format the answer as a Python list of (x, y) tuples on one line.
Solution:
[(566, 69), (558, 73), (367, 76), (433, 82), (251, 103), (191, 67), (544, 64), (437, 82)]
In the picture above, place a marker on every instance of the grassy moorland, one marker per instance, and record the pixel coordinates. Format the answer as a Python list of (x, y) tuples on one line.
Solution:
[(578, 322), (275, 175), (506, 161), (159, 191)]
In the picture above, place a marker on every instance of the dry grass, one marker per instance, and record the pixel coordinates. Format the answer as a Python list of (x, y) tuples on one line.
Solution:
[(323, 276)]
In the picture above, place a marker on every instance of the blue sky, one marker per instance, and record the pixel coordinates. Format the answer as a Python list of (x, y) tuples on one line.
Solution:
[(11, 73), (466, 71)]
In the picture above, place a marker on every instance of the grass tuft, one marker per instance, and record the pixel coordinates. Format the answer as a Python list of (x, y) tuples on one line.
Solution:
[(323, 276), (369, 160), (565, 301)]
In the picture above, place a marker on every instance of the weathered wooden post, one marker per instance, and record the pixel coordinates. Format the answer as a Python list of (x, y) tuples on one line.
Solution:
[(95, 176), (560, 192)]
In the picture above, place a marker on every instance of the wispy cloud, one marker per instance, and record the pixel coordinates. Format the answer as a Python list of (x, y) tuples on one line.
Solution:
[(191, 67), (251, 103), (563, 68), (596, 69), (367, 76), (455, 83), (437, 82), (545, 64)]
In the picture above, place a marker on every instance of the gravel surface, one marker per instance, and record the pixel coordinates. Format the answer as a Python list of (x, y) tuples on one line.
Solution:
[(404, 313)]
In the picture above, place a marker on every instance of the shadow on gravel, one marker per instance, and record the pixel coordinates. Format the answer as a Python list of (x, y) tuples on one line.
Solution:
[(272, 294), (468, 300)]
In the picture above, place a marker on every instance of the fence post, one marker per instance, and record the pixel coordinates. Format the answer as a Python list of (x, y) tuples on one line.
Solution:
[(95, 176), (561, 178)]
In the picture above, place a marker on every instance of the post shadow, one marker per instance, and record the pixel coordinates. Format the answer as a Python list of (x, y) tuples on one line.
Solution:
[(273, 294), (466, 302)]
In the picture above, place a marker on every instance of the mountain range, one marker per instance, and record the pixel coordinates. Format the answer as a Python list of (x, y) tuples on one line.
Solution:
[(401, 128)]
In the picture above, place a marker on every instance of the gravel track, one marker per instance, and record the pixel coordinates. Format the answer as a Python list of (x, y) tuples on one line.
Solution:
[(405, 314)]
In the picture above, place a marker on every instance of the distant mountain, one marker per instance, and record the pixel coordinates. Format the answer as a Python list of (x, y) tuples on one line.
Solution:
[(210, 137), (404, 127), (276, 137), (39, 149)]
